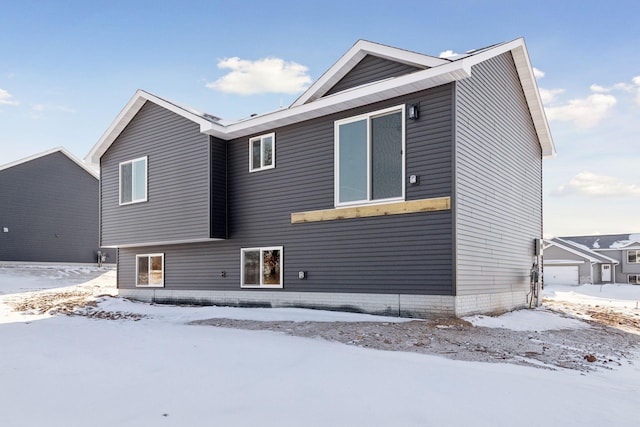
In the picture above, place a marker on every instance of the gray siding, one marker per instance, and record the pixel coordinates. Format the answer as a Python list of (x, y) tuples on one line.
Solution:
[(371, 69), (218, 189), (178, 181), (50, 207), (498, 173), (410, 254)]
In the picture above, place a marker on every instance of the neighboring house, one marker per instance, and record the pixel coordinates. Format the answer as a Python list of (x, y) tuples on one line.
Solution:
[(398, 183), (616, 259), (570, 263), (49, 210)]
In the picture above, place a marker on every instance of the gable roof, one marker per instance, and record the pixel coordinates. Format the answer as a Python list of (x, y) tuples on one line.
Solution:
[(581, 250), (315, 102), (93, 172), (607, 242)]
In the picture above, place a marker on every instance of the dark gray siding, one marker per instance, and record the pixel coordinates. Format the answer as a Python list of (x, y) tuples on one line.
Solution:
[(371, 69), (50, 207), (178, 181), (218, 197), (498, 181), (409, 254)]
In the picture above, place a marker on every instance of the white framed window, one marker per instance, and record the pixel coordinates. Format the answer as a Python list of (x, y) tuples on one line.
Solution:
[(261, 267), (369, 158), (633, 257), (262, 152), (133, 181), (634, 279), (150, 270)]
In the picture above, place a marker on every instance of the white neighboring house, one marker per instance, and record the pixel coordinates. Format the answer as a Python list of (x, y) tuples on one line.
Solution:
[(593, 259)]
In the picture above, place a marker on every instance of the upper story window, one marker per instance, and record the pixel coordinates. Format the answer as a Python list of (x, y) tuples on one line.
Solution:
[(369, 158), (262, 152), (133, 181), (633, 256)]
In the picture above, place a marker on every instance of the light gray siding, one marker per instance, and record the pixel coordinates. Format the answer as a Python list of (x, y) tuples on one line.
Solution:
[(178, 181), (371, 69), (498, 182), (584, 265), (49, 206), (399, 254)]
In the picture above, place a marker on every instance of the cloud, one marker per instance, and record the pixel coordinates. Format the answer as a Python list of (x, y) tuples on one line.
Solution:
[(618, 86), (38, 110), (584, 112), (6, 98), (448, 54), (267, 75), (593, 185), (636, 81), (538, 73), (549, 95)]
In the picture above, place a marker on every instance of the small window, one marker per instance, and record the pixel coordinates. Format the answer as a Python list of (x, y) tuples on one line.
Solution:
[(262, 152), (634, 279), (261, 267), (369, 158), (633, 257), (133, 181), (150, 270)]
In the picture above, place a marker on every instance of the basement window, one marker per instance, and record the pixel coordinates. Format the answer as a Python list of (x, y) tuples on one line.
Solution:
[(261, 267), (634, 279), (150, 270)]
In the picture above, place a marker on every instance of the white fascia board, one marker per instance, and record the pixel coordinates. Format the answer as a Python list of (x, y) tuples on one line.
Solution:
[(161, 243), (529, 86), (128, 113), (83, 165), (562, 262), (353, 56), (347, 99)]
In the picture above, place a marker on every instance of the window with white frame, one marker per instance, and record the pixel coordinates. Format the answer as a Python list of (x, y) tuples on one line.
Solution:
[(150, 270), (261, 267), (262, 152), (634, 279), (369, 158), (133, 181), (633, 256)]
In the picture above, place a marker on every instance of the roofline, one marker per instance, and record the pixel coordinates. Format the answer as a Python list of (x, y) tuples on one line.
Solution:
[(569, 246), (62, 150), (441, 72)]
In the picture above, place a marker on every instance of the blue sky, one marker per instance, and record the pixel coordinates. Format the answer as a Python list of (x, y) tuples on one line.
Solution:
[(67, 68)]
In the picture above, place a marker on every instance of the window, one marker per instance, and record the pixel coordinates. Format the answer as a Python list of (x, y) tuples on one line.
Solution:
[(261, 267), (633, 256), (133, 181), (262, 152), (634, 279), (369, 153), (150, 270)]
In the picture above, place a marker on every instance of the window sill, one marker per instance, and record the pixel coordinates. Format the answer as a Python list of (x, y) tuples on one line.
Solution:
[(398, 208)]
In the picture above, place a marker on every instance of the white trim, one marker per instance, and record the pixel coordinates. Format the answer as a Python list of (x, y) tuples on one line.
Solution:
[(442, 71), (261, 138), (149, 270), (260, 250), (146, 181), (637, 251), (336, 157), (162, 243), (94, 173), (562, 262)]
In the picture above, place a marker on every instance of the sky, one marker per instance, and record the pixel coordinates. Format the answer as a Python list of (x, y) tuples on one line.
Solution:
[(67, 68)]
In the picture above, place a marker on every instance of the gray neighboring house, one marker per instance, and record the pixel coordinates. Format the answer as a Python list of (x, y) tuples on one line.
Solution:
[(398, 183), (49, 210), (570, 263), (615, 258)]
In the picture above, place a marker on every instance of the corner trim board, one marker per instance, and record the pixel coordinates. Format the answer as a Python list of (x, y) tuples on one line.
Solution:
[(398, 208)]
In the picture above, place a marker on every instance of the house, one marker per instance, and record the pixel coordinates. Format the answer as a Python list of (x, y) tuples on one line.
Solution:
[(49, 210), (398, 183), (599, 259)]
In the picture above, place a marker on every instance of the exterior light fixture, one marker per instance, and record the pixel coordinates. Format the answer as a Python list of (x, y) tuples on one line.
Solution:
[(414, 111)]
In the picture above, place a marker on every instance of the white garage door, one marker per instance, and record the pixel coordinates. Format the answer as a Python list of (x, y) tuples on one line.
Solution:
[(561, 275)]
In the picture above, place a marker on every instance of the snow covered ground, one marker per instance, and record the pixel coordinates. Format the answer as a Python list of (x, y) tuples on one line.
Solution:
[(153, 369)]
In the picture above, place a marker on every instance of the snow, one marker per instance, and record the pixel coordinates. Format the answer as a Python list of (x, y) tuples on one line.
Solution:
[(625, 298), (527, 320), (161, 371)]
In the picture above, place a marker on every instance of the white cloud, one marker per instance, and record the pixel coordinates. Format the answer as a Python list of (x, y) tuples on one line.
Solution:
[(538, 73), (549, 95), (636, 81), (267, 75), (49, 107), (585, 112), (6, 98), (593, 185), (448, 54)]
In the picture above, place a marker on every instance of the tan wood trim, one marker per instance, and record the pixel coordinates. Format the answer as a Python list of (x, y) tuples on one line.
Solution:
[(398, 208)]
